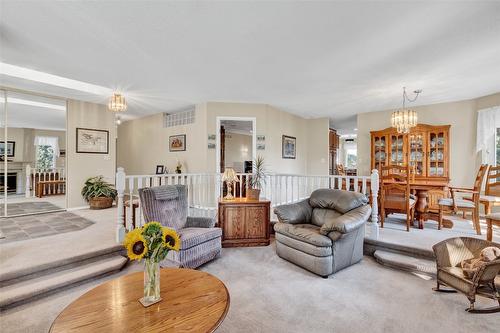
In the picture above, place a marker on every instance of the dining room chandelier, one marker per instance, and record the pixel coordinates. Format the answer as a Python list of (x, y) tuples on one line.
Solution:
[(117, 103), (405, 119)]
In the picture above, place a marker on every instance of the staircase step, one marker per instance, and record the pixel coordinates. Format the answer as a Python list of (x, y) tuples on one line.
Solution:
[(406, 262), (6, 276), (25, 290)]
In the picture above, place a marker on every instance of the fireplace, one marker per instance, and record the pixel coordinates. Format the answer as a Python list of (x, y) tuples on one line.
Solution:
[(11, 182)]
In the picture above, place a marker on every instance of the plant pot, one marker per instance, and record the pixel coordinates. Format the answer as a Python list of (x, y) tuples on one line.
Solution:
[(100, 202), (253, 194)]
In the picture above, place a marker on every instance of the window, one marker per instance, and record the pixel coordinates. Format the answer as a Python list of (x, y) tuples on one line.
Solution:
[(45, 157), (351, 158)]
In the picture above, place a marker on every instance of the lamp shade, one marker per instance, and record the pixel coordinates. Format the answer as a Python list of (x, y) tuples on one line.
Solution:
[(229, 175)]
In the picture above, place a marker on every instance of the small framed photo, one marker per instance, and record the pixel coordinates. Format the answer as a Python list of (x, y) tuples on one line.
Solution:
[(177, 142), (261, 146), (160, 169), (11, 148), (92, 141), (288, 147), (211, 146), (261, 138), (211, 137)]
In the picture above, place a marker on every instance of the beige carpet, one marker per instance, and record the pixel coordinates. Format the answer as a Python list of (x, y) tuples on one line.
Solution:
[(272, 295)]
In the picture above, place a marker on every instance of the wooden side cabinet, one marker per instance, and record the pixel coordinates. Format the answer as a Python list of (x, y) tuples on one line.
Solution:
[(244, 222)]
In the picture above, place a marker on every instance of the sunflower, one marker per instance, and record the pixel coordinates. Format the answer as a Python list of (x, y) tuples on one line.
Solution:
[(170, 239), (152, 229), (135, 244)]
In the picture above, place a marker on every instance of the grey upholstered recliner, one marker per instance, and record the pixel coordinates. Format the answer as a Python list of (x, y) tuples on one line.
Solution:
[(200, 240), (324, 233)]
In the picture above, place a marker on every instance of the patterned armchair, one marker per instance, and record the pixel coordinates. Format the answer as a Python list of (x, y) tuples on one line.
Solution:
[(450, 253), (200, 240)]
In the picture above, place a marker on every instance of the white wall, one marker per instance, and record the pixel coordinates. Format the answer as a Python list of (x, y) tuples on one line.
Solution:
[(462, 116), (82, 166), (143, 144)]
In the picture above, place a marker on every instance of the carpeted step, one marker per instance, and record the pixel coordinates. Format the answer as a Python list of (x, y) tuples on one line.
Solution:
[(27, 289), (406, 262), (7, 276)]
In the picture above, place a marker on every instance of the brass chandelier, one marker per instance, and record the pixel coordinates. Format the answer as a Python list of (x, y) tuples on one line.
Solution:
[(405, 119), (117, 103)]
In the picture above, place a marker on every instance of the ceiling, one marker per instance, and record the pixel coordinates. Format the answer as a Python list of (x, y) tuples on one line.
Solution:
[(238, 126), (313, 59), (29, 111)]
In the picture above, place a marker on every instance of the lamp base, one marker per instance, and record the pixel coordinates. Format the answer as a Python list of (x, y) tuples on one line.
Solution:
[(228, 197)]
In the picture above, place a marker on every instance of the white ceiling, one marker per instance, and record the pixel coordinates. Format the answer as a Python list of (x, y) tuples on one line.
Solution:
[(333, 59)]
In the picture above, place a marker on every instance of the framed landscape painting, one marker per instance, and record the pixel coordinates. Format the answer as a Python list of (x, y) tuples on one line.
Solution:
[(92, 141), (288, 147), (177, 142)]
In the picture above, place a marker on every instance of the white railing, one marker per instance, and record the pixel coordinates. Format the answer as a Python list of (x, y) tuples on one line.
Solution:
[(33, 175), (205, 189)]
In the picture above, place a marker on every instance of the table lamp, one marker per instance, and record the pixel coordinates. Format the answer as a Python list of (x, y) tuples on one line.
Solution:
[(229, 177)]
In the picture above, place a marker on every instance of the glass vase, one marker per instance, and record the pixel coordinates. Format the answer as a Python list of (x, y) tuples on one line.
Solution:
[(151, 281)]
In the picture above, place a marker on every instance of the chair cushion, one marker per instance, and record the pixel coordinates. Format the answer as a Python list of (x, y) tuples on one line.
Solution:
[(307, 233), (322, 215), (454, 277), (317, 251), (489, 198), (195, 236), (459, 202), (398, 200), (494, 216), (340, 200)]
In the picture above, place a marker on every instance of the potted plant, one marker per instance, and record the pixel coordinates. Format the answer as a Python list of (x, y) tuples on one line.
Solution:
[(98, 193), (258, 179)]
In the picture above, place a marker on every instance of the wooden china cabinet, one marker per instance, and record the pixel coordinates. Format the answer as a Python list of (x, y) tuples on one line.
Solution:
[(425, 148)]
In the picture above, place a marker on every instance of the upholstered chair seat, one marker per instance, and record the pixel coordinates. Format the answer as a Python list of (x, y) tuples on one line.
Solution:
[(324, 233), (459, 202), (200, 239)]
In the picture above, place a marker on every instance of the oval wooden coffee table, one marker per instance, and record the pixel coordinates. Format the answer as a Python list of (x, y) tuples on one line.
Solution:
[(193, 301)]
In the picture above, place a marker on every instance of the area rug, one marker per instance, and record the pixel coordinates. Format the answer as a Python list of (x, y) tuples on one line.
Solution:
[(33, 226), (23, 208)]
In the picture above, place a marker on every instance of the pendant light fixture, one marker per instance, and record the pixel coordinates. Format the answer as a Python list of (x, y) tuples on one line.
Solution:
[(405, 119)]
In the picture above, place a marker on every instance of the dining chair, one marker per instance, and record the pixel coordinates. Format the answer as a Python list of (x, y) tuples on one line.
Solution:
[(491, 195), (395, 196), (454, 204)]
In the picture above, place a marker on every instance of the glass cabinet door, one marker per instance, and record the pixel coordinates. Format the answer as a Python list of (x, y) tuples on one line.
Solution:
[(397, 153), (379, 149), (437, 145), (417, 153)]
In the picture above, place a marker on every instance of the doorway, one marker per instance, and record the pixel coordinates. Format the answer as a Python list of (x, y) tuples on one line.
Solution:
[(236, 143)]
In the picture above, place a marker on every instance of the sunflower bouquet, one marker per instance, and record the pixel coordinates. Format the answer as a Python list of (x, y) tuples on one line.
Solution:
[(152, 242)]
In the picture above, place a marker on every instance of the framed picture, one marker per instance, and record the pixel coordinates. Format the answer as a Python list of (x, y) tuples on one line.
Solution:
[(92, 141), (177, 142), (11, 148), (160, 169), (288, 147)]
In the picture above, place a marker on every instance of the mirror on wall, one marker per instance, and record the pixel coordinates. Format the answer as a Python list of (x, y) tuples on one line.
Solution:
[(33, 154)]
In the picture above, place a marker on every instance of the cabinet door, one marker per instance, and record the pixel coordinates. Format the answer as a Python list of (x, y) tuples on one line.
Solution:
[(256, 221), (437, 154), (379, 148), (234, 222), (397, 149), (418, 150)]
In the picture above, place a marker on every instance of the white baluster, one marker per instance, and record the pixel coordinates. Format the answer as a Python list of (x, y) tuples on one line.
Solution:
[(374, 184), (363, 188), (120, 188)]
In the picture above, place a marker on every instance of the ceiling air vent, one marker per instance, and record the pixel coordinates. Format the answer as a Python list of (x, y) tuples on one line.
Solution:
[(184, 117)]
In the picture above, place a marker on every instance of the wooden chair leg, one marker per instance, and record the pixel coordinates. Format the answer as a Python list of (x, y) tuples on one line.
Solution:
[(487, 208), (464, 215), (382, 217), (440, 219), (475, 220), (408, 219), (489, 234)]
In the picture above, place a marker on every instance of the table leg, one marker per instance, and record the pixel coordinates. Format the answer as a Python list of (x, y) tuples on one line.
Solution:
[(421, 207)]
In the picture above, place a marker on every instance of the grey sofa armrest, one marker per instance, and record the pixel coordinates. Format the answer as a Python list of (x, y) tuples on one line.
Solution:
[(295, 213), (200, 222), (348, 222)]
